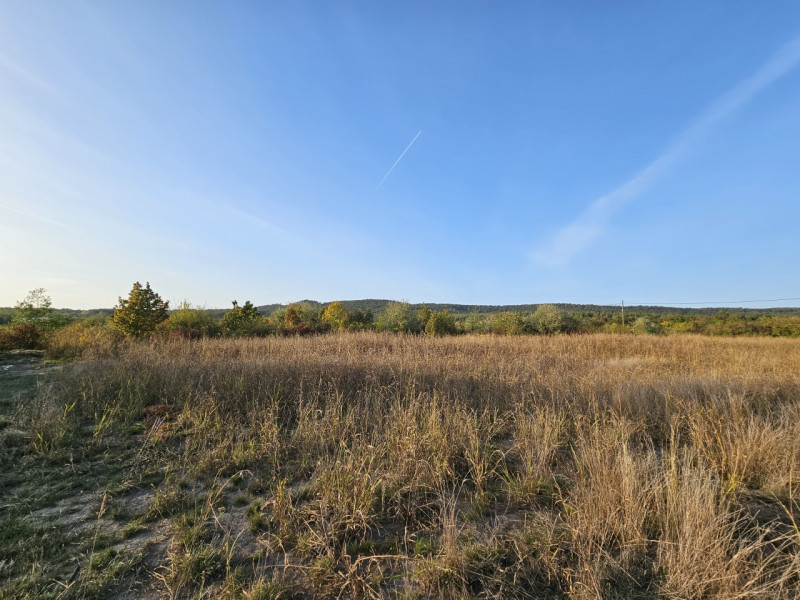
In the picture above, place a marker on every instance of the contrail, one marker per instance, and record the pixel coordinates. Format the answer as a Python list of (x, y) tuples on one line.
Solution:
[(578, 235), (34, 215), (389, 172)]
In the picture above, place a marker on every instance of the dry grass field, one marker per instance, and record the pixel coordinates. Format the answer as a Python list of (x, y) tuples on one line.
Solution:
[(371, 465)]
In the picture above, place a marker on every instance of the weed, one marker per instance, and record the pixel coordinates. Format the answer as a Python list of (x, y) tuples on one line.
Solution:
[(425, 546), (255, 517), (265, 589)]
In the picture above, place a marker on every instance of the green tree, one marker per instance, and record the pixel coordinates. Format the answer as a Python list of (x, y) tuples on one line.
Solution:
[(399, 316), (356, 320), (241, 320), (476, 323), (360, 319), (35, 309), (507, 323), (141, 312), (645, 325), (309, 314), (547, 319)]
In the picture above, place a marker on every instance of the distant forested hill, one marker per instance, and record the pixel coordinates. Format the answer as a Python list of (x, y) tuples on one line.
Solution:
[(70, 314), (378, 306)]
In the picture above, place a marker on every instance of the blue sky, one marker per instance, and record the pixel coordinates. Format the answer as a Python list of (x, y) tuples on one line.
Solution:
[(569, 151)]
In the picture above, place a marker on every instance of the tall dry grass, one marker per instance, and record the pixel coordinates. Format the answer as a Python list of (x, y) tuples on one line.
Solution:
[(591, 466)]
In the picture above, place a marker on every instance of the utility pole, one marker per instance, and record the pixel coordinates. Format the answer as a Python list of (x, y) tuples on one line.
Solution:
[(623, 313)]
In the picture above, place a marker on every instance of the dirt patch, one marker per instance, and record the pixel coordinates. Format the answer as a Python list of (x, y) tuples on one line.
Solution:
[(76, 513), (137, 502), (236, 526), (153, 542)]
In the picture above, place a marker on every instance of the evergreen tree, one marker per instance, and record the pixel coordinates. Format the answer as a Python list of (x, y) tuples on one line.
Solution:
[(141, 312)]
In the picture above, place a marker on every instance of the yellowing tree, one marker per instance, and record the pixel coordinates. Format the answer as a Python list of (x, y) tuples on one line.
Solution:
[(336, 315), (141, 312), (440, 323), (292, 317), (424, 315)]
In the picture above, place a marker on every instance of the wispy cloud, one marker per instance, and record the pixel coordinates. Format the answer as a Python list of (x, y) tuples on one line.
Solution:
[(25, 74), (389, 172), (578, 235), (39, 216)]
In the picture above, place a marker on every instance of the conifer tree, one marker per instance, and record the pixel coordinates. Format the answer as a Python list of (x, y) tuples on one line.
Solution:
[(141, 312)]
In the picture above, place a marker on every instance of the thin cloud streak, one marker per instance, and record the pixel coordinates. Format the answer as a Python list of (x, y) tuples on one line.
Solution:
[(28, 76), (578, 235), (33, 215), (389, 172)]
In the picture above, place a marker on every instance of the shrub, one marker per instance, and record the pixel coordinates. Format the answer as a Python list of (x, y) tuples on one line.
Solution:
[(22, 336), (507, 323), (190, 322), (91, 338)]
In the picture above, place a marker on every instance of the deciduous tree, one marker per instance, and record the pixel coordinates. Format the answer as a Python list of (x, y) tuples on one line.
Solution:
[(336, 316), (547, 319), (241, 320), (292, 317), (399, 316), (440, 323), (423, 316), (35, 309)]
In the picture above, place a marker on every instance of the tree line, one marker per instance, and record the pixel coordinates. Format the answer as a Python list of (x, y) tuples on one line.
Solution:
[(33, 322)]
